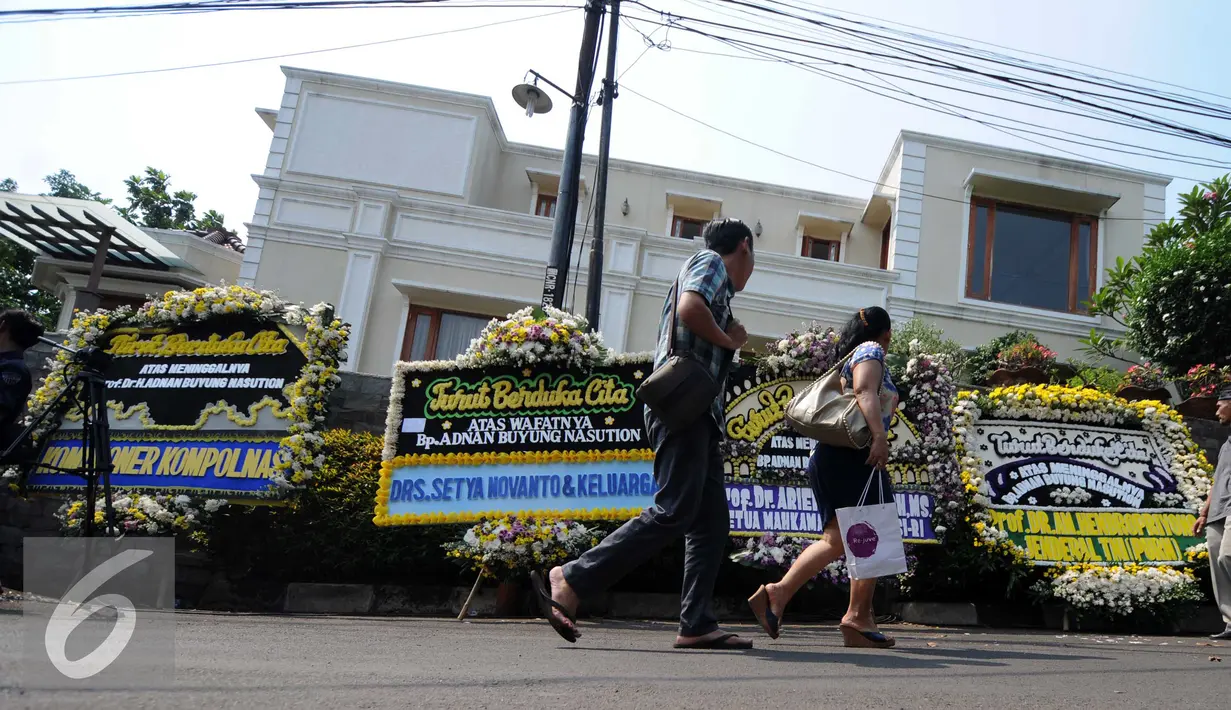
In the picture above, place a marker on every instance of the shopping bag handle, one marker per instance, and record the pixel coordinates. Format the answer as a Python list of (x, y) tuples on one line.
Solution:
[(880, 484)]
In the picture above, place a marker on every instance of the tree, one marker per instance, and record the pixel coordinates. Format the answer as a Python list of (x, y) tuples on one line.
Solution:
[(1173, 299), (152, 204), (65, 184)]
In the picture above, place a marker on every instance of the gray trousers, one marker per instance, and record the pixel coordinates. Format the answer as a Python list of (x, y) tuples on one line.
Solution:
[(690, 503), (1220, 566)]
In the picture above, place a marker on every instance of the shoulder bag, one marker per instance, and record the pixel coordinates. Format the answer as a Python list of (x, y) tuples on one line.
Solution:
[(824, 412), (682, 389)]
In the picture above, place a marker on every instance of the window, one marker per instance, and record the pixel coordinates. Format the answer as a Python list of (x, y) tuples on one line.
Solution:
[(545, 206), (826, 249), (687, 228), (1026, 256), (433, 334), (885, 245)]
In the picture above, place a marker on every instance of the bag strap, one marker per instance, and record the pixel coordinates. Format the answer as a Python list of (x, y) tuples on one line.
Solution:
[(675, 305), (880, 484)]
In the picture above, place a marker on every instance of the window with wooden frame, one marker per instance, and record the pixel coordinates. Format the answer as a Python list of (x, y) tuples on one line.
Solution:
[(545, 206), (433, 334), (825, 249), (687, 227), (1026, 256)]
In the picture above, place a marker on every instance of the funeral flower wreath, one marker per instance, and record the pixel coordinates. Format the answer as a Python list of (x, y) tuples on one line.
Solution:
[(530, 337), (1113, 590), (324, 345)]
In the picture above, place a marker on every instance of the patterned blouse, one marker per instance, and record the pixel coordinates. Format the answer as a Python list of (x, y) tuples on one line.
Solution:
[(864, 353)]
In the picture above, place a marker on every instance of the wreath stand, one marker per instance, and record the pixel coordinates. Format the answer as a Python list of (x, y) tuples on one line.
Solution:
[(473, 592)]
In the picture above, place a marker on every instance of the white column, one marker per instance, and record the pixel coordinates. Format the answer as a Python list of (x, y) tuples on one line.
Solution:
[(356, 298), (904, 235), (617, 306)]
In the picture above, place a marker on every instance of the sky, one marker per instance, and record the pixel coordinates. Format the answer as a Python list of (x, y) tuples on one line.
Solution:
[(200, 125)]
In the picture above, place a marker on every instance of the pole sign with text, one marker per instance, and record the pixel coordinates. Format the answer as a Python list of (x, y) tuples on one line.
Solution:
[(1070, 493), (199, 407), (766, 467)]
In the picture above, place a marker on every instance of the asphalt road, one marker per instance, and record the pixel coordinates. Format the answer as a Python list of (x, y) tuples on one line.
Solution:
[(238, 661)]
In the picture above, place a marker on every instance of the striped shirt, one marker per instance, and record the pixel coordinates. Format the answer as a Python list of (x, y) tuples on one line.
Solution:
[(706, 275)]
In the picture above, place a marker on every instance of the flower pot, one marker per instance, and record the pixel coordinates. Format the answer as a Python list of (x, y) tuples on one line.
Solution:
[(1198, 408), (1018, 376), (508, 599), (1139, 394)]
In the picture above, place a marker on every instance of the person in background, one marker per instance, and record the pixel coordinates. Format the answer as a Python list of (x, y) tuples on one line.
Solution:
[(691, 500), (18, 333), (838, 476), (1213, 520)]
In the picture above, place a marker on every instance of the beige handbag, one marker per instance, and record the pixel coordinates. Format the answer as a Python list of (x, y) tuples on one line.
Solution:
[(824, 412)]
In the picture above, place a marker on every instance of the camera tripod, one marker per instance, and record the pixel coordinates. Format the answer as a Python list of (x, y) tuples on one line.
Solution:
[(86, 392)]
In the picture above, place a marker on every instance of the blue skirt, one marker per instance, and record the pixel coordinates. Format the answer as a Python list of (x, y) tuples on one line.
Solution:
[(838, 476)]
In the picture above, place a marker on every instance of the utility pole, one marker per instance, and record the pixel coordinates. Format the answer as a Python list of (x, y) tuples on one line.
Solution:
[(566, 204), (594, 285)]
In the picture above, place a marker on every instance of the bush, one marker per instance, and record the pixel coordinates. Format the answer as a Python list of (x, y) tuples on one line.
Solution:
[(1172, 299), (1103, 379), (326, 533), (931, 340), (985, 360)]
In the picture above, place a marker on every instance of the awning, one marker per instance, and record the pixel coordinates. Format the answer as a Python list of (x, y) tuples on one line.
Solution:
[(1039, 193)]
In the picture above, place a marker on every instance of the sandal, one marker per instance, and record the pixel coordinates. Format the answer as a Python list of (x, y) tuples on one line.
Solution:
[(855, 638), (546, 604), (760, 605), (726, 642)]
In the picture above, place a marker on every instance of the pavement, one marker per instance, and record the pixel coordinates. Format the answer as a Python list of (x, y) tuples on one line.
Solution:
[(272, 662)]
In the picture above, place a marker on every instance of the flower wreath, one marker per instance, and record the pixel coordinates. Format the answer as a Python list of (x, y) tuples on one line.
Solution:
[(325, 345), (1084, 586), (531, 336), (927, 389)]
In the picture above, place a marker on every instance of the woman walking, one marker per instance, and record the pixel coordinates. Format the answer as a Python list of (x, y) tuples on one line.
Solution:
[(838, 477)]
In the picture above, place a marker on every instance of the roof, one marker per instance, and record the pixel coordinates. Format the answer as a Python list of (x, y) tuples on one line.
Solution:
[(72, 230)]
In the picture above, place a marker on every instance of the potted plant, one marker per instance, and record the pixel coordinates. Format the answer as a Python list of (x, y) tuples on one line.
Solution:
[(1024, 363), (1145, 382), (1202, 383)]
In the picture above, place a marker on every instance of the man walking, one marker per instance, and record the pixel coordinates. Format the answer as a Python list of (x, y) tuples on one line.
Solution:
[(691, 500), (1213, 519)]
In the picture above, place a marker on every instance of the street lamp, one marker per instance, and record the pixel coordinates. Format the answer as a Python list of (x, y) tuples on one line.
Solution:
[(530, 97)]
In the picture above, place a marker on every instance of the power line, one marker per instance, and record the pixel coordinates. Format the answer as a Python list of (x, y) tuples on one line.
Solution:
[(1163, 154), (254, 5), (1007, 130), (904, 190), (985, 43), (283, 56), (1155, 126), (1223, 112), (1201, 161), (1052, 91)]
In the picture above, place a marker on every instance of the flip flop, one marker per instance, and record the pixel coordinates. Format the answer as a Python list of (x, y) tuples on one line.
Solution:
[(855, 638), (759, 603), (721, 643), (546, 604)]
